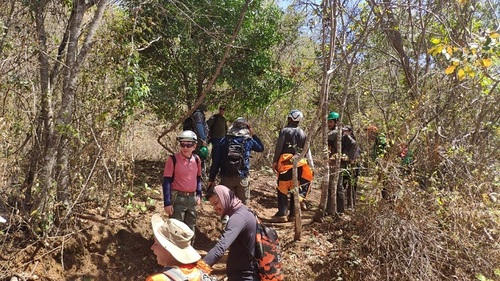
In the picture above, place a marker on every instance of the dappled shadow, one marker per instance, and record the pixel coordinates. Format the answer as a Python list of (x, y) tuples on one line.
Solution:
[(149, 172), (263, 199)]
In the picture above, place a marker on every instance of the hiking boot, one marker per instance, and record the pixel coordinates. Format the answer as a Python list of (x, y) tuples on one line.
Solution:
[(279, 219)]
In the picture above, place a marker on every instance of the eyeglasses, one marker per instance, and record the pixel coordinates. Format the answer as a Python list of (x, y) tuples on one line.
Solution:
[(186, 144)]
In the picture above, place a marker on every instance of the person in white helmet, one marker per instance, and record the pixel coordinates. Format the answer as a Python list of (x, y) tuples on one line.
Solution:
[(182, 181), (291, 142)]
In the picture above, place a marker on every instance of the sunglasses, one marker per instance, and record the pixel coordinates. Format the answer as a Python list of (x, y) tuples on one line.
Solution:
[(186, 144)]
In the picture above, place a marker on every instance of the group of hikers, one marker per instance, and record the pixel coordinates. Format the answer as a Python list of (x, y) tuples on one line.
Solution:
[(230, 163)]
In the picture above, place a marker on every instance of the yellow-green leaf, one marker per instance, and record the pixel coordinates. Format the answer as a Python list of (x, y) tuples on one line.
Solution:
[(439, 49), (486, 62), (494, 35), (435, 40), (450, 69), (461, 74)]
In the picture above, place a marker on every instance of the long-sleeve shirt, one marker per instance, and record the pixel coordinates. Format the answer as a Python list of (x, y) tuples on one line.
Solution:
[(291, 140), (239, 238), (251, 144), (348, 143)]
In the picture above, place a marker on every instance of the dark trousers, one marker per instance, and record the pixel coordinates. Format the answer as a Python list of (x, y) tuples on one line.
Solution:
[(345, 193)]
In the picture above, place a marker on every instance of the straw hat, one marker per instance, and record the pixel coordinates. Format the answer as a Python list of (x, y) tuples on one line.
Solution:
[(175, 236)]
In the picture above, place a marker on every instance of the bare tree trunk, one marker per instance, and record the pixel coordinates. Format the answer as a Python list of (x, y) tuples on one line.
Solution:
[(296, 203), (47, 142), (55, 151), (74, 59), (329, 37)]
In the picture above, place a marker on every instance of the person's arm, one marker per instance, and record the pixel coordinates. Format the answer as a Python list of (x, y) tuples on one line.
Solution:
[(279, 147), (354, 147), (234, 227), (168, 178), (201, 125), (201, 131), (167, 191), (257, 144)]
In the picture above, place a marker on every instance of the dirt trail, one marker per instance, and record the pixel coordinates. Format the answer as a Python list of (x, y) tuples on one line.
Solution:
[(120, 247)]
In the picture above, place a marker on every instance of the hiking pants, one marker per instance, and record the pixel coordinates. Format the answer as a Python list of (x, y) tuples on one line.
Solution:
[(185, 208), (240, 187)]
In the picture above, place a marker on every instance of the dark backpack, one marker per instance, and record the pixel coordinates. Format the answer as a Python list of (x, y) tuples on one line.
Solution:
[(190, 124), (267, 252), (234, 161)]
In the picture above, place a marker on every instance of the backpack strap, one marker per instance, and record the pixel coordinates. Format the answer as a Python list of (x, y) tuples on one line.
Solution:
[(197, 158), (174, 160), (175, 274)]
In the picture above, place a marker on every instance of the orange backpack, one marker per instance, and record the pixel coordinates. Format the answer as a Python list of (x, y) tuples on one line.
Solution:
[(268, 253)]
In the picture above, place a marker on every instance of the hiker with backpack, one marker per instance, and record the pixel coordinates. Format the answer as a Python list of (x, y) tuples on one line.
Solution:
[(174, 253), (232, 160), (238, 236), (290, 144), (196, 123), (347, 156), (182, 181), (217, 129)]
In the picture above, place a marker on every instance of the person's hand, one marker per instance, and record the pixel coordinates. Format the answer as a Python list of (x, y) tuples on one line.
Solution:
[(210, 184), (250, 130), (275, 167), (169, 210), (198, 200)]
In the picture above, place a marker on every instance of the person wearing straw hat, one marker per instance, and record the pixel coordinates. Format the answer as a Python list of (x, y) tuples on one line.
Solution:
[(173, 250)]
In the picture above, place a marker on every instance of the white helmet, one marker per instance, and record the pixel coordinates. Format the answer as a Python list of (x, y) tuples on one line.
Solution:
[(295, 115), (187, 136)]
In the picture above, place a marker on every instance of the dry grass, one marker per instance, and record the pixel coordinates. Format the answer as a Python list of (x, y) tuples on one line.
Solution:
[(422, 235)]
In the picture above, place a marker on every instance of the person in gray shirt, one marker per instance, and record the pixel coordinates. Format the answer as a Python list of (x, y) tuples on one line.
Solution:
[(238, 236)]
